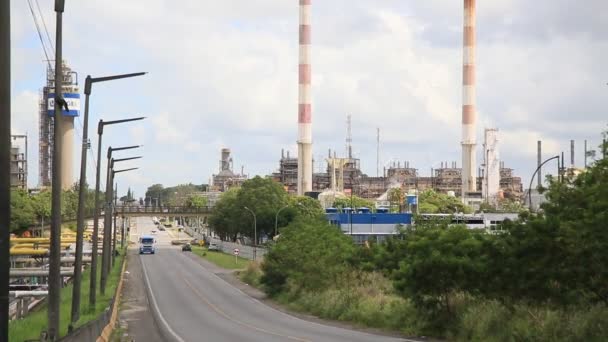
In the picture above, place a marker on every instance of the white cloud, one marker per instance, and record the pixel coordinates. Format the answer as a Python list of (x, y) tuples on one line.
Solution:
[(224, 74)]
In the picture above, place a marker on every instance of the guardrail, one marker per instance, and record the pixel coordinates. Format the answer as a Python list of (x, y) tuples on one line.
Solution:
[(162, 210), (245, 251)]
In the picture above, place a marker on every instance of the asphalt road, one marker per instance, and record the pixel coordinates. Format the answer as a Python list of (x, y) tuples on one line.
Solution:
[(191, 302)]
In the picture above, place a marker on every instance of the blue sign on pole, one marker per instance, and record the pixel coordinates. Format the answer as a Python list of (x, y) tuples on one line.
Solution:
[(73, 100), (412, 199)]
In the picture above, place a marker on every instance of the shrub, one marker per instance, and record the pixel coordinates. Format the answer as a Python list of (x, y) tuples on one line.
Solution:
[(252, 274), (311, 254)]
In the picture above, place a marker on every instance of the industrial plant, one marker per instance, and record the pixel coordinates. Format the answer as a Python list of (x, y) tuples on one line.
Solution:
[(488, 183), (46, 126)]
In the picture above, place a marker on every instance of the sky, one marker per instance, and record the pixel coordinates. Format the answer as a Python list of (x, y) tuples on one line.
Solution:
[(224, 74)]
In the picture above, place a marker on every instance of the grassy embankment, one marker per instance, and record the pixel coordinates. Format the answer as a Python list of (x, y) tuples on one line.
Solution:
[(31, 326), (221, 259), (368, 300)]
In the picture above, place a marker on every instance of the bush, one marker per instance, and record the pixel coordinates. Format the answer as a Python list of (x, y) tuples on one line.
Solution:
[(311, 254), (252, 274), (492, 321)]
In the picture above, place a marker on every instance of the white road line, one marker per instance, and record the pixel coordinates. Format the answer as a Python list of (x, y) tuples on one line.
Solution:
[(160, 315), (291, 316)]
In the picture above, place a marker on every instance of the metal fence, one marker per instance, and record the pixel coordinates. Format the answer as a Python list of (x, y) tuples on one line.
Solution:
[(247, 252)]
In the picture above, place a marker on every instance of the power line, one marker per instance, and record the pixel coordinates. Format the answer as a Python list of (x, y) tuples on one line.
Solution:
[(39, 33), (45, 29)]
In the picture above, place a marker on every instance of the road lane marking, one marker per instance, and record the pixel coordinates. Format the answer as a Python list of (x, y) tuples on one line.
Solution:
[(228, 317), (287, 315), (154, 303)]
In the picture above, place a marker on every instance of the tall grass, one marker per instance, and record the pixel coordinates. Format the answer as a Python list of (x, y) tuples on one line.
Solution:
[(221, 259), (366, 299), (492, 321), (36, 322)]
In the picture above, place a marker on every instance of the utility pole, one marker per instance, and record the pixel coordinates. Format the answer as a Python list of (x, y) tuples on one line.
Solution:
[(54, 281), (114, 232), (5, 157)]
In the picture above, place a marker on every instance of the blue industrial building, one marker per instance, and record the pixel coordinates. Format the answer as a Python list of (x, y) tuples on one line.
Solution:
[(364, 225)]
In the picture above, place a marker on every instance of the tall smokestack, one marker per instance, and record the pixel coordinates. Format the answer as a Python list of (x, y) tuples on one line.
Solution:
[(539, 160), (469, 116), (572, 153), (304, 103)]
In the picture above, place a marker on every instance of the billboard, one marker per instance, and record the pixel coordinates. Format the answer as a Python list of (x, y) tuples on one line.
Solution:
[(73, 100)]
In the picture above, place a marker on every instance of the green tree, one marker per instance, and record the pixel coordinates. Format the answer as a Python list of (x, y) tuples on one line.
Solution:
[(224, 219), (432, 202), (310, 255), (41, 203), (22, 210), (196, 201), (265, 197), (353, 202), (440, 262)]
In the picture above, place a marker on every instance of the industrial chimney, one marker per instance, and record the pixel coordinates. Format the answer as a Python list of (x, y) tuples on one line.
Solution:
[(304, 103), (469, 116)]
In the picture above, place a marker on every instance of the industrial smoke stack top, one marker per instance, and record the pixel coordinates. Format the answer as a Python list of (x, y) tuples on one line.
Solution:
[(304, 102), (469, 114)]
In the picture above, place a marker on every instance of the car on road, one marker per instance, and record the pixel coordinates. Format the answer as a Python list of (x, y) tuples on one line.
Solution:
[(153, 231), (187, 248), (161, 228), (146, 244), (213, 247)]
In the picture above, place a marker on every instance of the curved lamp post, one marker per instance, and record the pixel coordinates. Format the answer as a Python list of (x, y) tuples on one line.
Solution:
[(534, 174), (276, 219), (255, 232)]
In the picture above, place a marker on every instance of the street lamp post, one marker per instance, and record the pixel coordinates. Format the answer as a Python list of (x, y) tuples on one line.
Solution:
[(5, 183), (114, 172), (88, 85), (115, 199), (276, 220), (107, 223), (93, 277), (535, 171), (54, 279), (255, 232)]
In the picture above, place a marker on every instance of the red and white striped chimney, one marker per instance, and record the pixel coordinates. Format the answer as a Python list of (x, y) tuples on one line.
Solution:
[(304, 103), (469, 115)]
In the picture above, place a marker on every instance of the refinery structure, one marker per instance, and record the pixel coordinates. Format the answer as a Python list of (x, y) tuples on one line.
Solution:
[(46, 126), (489, 182)]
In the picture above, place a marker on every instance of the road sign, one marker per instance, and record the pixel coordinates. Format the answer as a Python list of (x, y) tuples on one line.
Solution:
[(236, 251)]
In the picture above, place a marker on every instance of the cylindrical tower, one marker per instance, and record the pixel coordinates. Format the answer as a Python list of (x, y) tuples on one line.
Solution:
[(304, 103), (67, 152), (469, 115), (225, 162)]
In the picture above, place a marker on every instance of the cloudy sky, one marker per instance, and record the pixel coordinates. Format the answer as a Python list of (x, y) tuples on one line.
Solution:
[(224, 74)]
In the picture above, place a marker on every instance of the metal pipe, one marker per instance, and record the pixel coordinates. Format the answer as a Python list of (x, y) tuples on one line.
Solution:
[(5, 157), (19, 294), (39, 273), (54, 279)]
